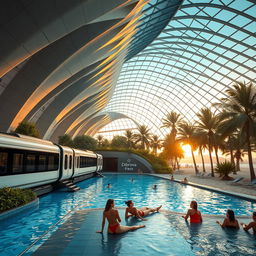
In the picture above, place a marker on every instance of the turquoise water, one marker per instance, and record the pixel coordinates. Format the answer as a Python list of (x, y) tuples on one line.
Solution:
[(17, 233)]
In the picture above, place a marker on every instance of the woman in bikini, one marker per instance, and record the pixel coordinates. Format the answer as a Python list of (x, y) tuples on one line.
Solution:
[(112, 215), (193, 213), (144, 211), (251, 224), (230, 221)]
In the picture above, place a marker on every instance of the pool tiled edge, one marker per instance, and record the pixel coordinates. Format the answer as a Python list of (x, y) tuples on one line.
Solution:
[(231, 193)]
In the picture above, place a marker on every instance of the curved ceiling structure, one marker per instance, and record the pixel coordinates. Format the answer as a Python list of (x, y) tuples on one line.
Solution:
[(205, 48), (76, 66)]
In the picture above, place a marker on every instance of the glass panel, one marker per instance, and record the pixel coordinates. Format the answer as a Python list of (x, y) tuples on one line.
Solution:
[(3, 162), (17, 164)]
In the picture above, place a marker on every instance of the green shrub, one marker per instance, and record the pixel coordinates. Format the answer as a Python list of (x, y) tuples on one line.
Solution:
[(14, 197), (224, 169)]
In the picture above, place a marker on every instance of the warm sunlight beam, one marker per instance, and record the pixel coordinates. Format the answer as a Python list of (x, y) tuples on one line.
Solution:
[(187, 150)]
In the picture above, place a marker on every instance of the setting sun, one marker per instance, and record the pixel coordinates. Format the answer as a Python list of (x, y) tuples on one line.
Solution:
[(187, 150)]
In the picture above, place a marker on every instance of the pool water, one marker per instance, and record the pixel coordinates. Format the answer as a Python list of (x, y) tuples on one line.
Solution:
[(18, 232)]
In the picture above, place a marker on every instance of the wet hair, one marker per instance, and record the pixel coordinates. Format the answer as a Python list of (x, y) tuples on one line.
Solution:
[(231, 215), (128, 203), (254, 213), (194, 205), (108, 204)]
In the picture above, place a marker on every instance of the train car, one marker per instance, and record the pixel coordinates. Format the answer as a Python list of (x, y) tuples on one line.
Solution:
[(27, 162), (85, 162)]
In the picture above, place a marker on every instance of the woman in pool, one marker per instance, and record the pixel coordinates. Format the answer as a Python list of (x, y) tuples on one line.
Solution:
[(139, 213), (251, 224), (193, 213), (112, 215), (230, 221)]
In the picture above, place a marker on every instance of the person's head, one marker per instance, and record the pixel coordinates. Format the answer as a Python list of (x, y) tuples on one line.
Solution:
[(110, 203), (231, 215), (155, 186), (129, 203), (193, 205), (254, 216)]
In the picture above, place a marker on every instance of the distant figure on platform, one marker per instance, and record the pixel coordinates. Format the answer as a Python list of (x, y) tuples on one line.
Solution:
[(251, 224), (230, 221), (144, 211), (172, 179), (185, 181), (194, 215), (109, 185), (112, 215), (155, 186)]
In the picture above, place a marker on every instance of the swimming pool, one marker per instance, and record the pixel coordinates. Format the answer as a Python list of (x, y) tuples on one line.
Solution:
[(18, 232)]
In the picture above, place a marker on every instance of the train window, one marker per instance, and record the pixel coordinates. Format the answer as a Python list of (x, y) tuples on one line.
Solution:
[(42, 163), (17, 163), (66, 162), (30, 163), (53, 162), (70, 162), (3, 162)]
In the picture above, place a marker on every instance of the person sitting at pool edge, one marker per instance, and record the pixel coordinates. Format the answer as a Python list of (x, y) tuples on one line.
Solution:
[(230, 221), (144, 211), (251, 224), (112, 215), (185, 181), (172, 178), (193, 213)]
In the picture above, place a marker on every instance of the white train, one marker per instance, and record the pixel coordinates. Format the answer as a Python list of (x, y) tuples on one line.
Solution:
[(28, 162)]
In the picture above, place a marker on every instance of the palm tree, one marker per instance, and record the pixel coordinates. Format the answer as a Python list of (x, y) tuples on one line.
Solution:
[(186, 134), (239, 112), (171, 120), (130, 138), (208, 122), (155, 143), (201, 140), (99, 139), (172, 151), (143, 136)]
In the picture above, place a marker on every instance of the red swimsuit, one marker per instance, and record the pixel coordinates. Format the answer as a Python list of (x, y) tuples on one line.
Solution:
[(195, 218), (113, 228)]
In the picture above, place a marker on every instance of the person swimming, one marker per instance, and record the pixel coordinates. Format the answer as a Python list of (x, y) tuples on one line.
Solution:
[(109, 185), (230, 221), (144, 211), (251, 224), (112, 215), (193, 213), (155, 186)]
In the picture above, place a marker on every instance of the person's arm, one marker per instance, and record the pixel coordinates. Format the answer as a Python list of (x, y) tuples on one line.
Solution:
[(127, 215), (223, 225), (117, 216), (187, 215), (200, 216), (247, 227), (103, 224)]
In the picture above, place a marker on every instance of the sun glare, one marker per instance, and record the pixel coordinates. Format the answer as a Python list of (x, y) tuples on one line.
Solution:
[(187, 150)]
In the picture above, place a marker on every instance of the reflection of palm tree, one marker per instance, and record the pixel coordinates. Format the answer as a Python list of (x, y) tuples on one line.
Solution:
[(155, 143), (208, 122), (186, 134), (143, 136), (130, 138), (239, 111), (171, 120)]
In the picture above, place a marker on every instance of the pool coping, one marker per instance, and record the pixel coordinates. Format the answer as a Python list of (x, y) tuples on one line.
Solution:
[(21, 208), (240, 195)]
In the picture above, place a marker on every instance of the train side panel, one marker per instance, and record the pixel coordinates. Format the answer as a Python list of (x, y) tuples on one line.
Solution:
[(27, 162), (67, 163)]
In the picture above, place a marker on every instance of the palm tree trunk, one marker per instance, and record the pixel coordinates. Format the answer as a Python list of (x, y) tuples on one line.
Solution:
[(194, 161), (232, 156), (216, 154), (210, 155), (252, 173), (237, 165), (201, 153)]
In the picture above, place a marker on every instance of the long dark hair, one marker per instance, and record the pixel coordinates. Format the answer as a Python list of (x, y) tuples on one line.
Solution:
[(194, 205), (108, 204), (231, 215), (128, 203)]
